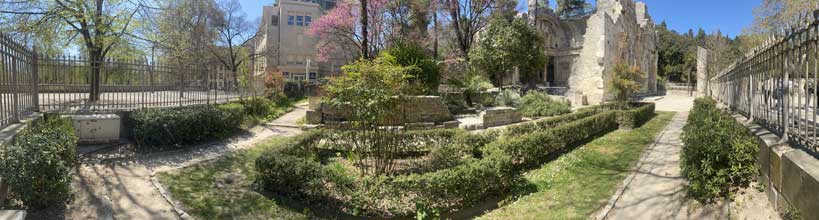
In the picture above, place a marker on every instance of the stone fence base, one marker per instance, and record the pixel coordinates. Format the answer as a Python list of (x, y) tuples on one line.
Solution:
[(790, 175)]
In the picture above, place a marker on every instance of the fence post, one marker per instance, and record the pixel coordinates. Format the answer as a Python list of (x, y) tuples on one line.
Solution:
[(15, 91), (785, 106), (35, 79)]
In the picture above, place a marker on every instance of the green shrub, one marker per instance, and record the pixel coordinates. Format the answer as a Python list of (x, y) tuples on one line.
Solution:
[(635, 117), (181, 126), (235, 111), (548, 123), (719, 154), (467, 168), (538, 104), (37, 165), (508, 98)]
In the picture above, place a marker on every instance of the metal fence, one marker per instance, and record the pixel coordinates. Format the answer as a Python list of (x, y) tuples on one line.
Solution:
[(776, 84), (30, 83)]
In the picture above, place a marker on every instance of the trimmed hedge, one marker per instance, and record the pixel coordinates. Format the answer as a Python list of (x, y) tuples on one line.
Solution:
[(181, 126), (719, 154), (37, 165), (634, 118), (547, 123), (497, 161)]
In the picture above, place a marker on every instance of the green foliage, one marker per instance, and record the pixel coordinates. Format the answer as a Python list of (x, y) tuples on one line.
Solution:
[(407, 54), (37, 165), (371, 90), (625, 80), (181, 126), (719, 154), (572, 8), (539, 104), (635, 117), (471, 167), (473, 83), (548, 123), (507, 44), (509, 98)]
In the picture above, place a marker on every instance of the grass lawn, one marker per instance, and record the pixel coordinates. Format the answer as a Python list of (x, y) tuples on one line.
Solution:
[(222, 189), (579, 183)]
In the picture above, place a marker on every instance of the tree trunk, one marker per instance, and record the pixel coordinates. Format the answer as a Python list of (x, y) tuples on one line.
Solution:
[(96, 68), (365, 48), (435, 37)]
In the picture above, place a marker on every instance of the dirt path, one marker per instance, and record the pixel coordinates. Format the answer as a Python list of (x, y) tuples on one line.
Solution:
[(123, 188)]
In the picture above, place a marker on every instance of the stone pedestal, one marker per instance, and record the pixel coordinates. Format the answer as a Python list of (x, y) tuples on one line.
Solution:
[(12, 215), (500, 116), (97, 129)]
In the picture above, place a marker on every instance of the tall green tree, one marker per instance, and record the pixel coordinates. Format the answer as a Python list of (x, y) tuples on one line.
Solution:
[(507, 44)]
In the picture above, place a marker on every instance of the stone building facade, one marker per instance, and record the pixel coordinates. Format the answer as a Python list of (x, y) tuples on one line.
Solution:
[(584, 49), (285, 43)]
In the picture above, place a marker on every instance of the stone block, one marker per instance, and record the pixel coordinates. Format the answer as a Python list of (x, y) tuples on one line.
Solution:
[(801, 182), (314, 103), (776, 154), (97, 128), (12, 215), (500, 116), (420, 126), (451, 124), (313, 117)]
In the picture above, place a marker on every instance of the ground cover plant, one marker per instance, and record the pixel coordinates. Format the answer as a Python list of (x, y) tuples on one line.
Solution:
[(539, 104), (719, 154), (37, 165)]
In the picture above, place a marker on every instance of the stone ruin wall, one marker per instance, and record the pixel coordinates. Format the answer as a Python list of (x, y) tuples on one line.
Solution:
[(586, 48)]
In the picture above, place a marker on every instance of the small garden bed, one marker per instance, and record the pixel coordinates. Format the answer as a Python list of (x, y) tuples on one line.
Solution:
[(437, 171)]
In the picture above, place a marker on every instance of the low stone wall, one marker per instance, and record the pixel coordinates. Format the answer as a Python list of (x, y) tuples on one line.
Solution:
[(500, 116), (790, 175), (416, 111)]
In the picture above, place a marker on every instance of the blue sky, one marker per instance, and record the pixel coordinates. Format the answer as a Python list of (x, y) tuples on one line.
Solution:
[(729, 16)]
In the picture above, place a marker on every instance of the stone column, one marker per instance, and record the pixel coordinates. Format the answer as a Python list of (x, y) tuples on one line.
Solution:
[(702, 72)]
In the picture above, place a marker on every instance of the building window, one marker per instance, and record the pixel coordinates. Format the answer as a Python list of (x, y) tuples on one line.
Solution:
[(299, 20), (286, 74), (313, 75), (290, 20), (307, 20), (274, 20)]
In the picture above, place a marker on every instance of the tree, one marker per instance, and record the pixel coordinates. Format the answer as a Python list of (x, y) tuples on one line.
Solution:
[(624, 81), (426, 74), (776, 15), (340, 30), (507, 44), (571, 8), (234, 33), (372, 92), (467, 17), (100, 23)]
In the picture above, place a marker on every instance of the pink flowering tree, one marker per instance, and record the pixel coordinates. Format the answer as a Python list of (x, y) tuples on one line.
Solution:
[(339, 31)]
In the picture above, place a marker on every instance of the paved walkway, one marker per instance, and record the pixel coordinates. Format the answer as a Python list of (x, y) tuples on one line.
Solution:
[(656, 190), (123, 188)]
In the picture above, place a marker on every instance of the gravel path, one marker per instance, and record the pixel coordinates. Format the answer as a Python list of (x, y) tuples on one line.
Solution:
[(124, 187)]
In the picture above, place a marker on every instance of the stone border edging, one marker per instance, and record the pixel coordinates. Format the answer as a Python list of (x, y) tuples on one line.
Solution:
[(164, 193), (603, 214)]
